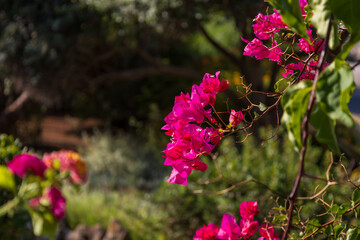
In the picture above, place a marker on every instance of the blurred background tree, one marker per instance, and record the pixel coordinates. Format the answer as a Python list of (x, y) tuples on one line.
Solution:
[(115, 59)]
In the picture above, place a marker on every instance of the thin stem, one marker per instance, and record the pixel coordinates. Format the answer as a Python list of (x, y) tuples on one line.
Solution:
[(305, 133), (331, 222)]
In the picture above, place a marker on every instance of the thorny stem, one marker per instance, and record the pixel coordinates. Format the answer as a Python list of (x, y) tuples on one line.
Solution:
[(305, 133)]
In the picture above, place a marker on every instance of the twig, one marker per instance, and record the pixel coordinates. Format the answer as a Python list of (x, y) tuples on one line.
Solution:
[(305, 134), (331, 222)]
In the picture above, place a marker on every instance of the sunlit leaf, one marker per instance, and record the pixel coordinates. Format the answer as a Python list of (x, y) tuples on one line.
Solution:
[(7, 180), (333, 91)]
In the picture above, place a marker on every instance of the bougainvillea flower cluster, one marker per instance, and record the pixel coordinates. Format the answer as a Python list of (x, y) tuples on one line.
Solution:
[(68, 161), (51, 198), (231, 230), (268, 28), (189, 140)]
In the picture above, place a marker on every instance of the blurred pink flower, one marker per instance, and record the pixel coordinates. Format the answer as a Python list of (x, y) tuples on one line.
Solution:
[(57, 202), (22, 164), (34, 202), (69, 161)]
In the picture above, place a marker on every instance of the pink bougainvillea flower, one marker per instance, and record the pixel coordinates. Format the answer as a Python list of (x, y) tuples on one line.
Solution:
[(235, 117), (208, 232), (186, 110), (305, 46), (179, 174), (57, 202), (215, 137), (212, 85), (229, 229), (256, 49), (24, 163), (266, 25), (302, 4), (275, 52), (289, 69), (69, 161), (248, 228), (189, 141), (267, 232), (248, 209)]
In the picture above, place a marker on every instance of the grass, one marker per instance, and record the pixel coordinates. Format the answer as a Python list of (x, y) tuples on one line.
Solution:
[(133, 209)]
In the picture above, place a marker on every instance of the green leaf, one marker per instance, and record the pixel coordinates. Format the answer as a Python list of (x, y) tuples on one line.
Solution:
[(291, 14), (356, 196), (347, 11), (325, 129), (354, 39), (281, 85), (320, 19), (334, 89), (338, 230), (38, 224), (321, 16), (262, 107), (7, 180), (294, 102), (44, 224), (9, 207), (314, 222), (334, 208), (352, 234)]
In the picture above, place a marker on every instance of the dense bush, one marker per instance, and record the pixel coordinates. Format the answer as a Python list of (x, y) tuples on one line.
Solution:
[(117, 161)]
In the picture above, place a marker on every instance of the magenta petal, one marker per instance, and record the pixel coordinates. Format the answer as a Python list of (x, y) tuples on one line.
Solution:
[(208, 232), (57, 201), (248, 209), (229, 229), (179, 177), (248, 228), (21, 164)]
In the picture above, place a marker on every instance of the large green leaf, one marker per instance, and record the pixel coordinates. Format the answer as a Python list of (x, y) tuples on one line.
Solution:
[(325, 129), (7, 180), (352, 234), (347, 11), (320, 19), (294, 102), (354, 39), (334, 90), (291, 14)]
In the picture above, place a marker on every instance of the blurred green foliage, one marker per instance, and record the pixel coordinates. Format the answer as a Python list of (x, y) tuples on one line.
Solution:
[(8, 148), (16, 227), (177, 211)]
